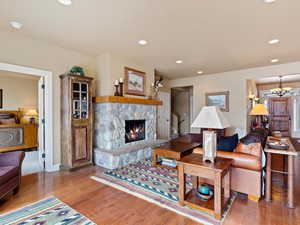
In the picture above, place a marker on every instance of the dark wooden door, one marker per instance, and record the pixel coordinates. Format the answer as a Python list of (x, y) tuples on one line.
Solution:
[(279, 115)]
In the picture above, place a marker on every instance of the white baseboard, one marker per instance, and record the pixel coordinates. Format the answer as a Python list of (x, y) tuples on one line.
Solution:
[(54, 168)]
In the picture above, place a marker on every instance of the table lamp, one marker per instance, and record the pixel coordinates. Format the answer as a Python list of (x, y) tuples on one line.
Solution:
[(32, 114), (259, 110), (210, 117)]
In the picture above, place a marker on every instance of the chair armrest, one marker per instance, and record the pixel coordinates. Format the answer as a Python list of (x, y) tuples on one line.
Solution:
[(240, 160), (12, 158)]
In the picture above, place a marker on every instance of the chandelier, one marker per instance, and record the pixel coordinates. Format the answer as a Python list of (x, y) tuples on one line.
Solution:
[(281, 91)]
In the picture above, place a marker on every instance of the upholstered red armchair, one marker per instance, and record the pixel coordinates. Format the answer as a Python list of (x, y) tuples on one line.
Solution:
[(10, 172)]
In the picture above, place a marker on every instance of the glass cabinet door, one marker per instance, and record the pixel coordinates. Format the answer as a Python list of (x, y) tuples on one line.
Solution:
[(80, 100)]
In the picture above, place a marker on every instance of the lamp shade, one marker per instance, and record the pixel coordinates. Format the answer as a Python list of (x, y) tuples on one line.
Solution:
[(259, 110), (31, 112), (210, 117)]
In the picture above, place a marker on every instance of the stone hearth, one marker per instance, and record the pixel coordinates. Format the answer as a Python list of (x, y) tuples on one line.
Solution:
[(110, 148)]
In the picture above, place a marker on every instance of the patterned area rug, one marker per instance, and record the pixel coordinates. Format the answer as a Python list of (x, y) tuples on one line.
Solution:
[(47, 211), (156, 185)]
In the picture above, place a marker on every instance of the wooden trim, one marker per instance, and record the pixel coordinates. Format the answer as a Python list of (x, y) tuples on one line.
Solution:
[(1, 98), (118, 99), (75, 76), (226, 93), (253, 198), (138, 73)]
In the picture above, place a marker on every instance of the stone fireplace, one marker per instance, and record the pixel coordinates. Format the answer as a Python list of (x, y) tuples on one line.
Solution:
[(134, 130), (124, 132)]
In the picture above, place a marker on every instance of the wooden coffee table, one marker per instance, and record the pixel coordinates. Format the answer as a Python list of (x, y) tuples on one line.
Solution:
[(173, 150), (217, 172)]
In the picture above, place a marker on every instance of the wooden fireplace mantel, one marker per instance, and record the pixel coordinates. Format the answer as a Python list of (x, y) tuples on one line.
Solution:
[(118, 99)]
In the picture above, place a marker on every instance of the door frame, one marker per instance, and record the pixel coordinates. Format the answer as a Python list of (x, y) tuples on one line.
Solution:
[(48, 109)]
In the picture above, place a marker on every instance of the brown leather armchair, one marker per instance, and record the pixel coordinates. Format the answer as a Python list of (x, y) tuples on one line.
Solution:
[(10, 172)]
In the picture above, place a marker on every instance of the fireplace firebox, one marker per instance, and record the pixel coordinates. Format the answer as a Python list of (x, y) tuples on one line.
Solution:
[(134, 130)]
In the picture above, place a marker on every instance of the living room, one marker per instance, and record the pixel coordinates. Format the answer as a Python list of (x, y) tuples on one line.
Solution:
[(109, 70)]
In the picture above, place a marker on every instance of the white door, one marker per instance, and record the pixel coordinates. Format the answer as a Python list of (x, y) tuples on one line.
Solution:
[(295, 103), (164, 116)]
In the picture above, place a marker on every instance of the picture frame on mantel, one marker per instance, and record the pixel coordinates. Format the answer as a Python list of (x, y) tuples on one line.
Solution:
[(134, 82), (220, 99), (1, 98)]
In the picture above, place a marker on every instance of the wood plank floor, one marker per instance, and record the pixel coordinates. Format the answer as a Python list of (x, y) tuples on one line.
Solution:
[(108, 206)]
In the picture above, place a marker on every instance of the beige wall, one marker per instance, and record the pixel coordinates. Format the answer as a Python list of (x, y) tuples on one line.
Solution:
[(261, 87), (18, 92), (236, 83), (111, 67), (22, 50)]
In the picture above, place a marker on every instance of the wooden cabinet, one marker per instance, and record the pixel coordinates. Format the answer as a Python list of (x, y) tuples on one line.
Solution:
[(76, 121)]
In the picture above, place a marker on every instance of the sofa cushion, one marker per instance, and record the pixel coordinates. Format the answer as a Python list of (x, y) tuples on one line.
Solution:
[(8, 172), (240, 160), (228, 143)]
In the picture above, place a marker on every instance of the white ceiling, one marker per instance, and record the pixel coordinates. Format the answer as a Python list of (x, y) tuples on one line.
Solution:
[(209, 35)]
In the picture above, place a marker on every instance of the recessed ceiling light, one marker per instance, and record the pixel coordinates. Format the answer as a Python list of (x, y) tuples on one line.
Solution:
[(65, 2), (269, 1), (179, 61), (200, 72), (16, 25), (274, 41), (142, 42), (274, 60)]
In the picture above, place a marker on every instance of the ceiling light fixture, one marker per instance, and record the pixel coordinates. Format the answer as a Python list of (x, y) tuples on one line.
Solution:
[(200, 72), (142, 42), (281, 91), (269, 1), (274, 60), (16, 25), (274, 41), (179, 61), (65, 2)]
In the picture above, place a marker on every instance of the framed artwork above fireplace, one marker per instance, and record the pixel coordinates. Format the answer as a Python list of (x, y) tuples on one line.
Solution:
[(135, 82)]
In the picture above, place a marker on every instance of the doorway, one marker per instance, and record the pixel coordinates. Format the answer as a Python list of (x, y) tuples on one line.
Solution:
[(280, 115), (181, 110), (284, 113), (45, 108), (163, 116)]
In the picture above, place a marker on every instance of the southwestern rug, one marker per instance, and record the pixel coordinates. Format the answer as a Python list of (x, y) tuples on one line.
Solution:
[(155, 185), (47, 211)]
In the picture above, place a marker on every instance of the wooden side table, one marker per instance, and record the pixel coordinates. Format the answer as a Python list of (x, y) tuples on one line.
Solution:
[(218, 172), (291, 153), (173, 150)]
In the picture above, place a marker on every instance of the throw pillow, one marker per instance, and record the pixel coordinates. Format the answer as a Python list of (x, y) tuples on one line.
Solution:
[(228, 143)]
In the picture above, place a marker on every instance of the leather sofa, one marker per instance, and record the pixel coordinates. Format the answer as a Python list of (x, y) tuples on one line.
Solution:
[(10, 172), (246, 172)]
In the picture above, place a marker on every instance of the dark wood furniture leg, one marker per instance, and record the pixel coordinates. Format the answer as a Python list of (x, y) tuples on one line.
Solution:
[(195, 182), (181, 179), (290, 181), (154, 159), (227, 184), (218, 196), (269, 178)]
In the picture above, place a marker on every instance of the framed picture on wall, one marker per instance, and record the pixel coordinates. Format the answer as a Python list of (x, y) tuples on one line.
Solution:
[(1, 98), (220, 99), (134, 82)]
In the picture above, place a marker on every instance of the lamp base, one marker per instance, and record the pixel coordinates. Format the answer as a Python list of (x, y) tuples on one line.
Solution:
[(32, 120), (209, 146)]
